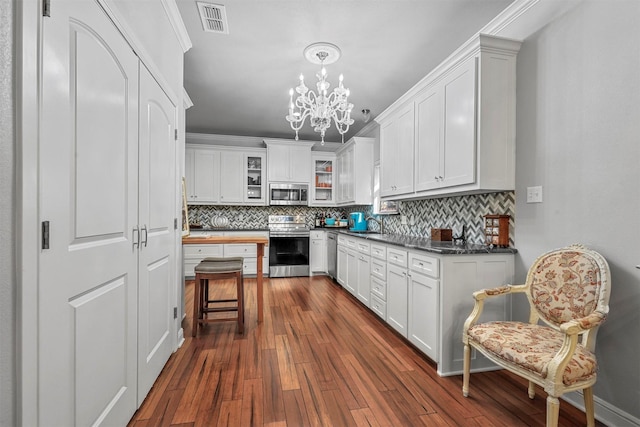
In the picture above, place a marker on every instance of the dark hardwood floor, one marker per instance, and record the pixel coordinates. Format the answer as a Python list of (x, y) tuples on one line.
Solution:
[(320, 358)]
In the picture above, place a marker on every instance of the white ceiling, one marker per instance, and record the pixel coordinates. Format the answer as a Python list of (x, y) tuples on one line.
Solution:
[(239, 82)]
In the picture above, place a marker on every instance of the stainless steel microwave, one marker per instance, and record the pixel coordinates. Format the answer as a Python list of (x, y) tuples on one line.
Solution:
[(288, 194)]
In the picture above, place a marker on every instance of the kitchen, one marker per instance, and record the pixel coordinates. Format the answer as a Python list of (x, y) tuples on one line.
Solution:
[(576, 92)]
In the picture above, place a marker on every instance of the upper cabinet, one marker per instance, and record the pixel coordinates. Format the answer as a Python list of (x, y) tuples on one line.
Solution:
[(217, 175), (289, 161), (354, 161), (463, 118), (322, 179), (397, 153)]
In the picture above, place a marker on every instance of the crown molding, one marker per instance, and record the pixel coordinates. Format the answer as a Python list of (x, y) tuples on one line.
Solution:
[(171, 8)]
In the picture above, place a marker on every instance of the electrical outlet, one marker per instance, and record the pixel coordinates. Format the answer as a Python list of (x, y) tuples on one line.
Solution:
[(534, 194), (403, 219), (412, 220)]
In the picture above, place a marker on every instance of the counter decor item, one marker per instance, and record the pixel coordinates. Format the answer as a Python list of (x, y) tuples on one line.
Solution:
[(441, 234), (496, 230), (330, 221)]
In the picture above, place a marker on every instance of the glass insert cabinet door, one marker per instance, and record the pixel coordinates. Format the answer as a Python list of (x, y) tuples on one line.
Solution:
[(323, 180), (255, 179)]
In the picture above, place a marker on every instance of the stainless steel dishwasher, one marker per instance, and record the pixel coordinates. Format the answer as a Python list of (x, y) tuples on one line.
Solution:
[(332, 253)]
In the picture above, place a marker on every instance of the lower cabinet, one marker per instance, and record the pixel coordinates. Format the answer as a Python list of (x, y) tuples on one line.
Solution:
[(318, 252), (425, 297), (193, 254), (341, 264), (352, 272), (397, 298), (423, 313)]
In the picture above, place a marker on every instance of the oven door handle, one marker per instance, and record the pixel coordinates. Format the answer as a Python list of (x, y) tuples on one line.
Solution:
[(289, 234)]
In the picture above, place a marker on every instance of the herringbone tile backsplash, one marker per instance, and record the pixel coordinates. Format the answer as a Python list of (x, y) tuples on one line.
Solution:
[(447, 212)]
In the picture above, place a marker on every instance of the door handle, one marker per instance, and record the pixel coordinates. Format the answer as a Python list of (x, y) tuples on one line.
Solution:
[(135, 236), (146, 235)]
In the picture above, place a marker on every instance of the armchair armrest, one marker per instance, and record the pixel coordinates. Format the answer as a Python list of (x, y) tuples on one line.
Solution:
[(501, 290), (571, 329), (577, 326), (481, 295)]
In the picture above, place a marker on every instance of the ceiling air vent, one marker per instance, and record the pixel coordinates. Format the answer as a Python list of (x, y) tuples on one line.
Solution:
[(214, 18)]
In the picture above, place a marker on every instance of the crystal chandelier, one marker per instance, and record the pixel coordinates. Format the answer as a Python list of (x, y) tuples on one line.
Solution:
[(323, 107)]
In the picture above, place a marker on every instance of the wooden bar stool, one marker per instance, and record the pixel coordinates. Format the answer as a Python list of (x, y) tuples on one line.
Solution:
[(211, 269)]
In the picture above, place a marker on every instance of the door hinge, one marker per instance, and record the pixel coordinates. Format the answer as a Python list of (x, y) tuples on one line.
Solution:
[(175, 312), (46, 8), (175, 223), (176, 134), (45, 234)]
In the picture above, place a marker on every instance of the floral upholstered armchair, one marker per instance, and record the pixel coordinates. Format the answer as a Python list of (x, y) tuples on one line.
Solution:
[(568, 291)]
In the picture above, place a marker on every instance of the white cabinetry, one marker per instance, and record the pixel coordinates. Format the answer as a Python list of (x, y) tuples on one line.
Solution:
[(193, 254), (464, 139), (322, 179), (200, 169), (341, 263), (289, 161), (219, 175), (355, 172), (354, 265), (426, 297), (318, 252), (232, 180), (423, 303), (396, 156), (397, 290)]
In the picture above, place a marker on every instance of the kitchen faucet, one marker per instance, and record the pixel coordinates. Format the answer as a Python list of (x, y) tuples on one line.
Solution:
[(379, 221)]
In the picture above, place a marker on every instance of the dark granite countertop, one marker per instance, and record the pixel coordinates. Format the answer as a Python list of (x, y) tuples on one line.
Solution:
[(426, 244), (195, 230)]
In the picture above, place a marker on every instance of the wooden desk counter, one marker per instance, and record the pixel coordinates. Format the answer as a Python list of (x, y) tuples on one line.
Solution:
[(260, 242)]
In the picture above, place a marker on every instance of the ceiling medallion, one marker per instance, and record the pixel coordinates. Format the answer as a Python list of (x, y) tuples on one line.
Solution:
[(324, 107)]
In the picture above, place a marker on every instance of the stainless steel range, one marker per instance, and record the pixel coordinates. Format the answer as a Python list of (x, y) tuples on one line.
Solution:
[(288, 246)]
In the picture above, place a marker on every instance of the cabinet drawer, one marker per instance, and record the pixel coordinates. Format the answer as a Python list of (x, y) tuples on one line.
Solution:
[(379, 251), (352, 243), (424, 264), (379, 269), (240, 249), (363, 247), (378, 306), (201, 251), (317, 234), (342, 240), (379, 288), (397, 257)]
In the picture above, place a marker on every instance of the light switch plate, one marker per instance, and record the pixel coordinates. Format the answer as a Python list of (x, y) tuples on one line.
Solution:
[(534, 194)]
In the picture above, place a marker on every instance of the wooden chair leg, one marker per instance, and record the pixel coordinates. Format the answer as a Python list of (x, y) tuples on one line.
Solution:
[(588, 406), (466, 361), (196, 304), (553, 411), (240, 298)]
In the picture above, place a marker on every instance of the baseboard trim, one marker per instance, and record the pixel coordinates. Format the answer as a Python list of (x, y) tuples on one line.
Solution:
[(605, 412)]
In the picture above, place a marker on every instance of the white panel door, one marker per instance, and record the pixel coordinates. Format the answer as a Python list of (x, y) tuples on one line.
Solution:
[(459, 150), (157, 210), (87, 293), (232, 180), (429, 135)]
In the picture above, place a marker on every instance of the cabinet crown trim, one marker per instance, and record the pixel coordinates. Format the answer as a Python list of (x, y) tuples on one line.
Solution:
[(475, 45)]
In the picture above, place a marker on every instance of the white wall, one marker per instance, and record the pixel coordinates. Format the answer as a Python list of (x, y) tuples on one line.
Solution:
[(578, 135)]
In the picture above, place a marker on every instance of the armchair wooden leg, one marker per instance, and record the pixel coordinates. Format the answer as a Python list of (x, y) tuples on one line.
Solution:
[(588, 406), (553, 411), (532, 390), (465, 370)]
